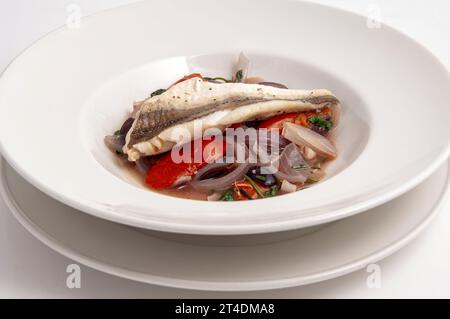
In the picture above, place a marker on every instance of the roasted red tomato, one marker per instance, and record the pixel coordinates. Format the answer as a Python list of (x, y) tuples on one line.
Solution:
[(244, 191), (301, 118), (235, 125), (277, 121), (168, 173)]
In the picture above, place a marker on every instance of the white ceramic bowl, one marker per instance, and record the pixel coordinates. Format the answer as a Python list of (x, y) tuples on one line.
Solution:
[(62, 95), (246, 262)]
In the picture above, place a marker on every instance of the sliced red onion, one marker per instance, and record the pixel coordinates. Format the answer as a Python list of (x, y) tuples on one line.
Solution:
[(126, 126), (115, 142), (274, 84), (303, 136), (181, 181), (270, 146), (143, 164), (272, 141), (221, 183), (292, 166), (251, 135)]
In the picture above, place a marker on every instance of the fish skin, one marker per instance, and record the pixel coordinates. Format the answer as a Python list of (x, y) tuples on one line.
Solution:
[(195, 99), (155, 121)]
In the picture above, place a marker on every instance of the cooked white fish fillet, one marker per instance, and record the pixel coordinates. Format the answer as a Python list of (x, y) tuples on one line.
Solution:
[(195, 105)]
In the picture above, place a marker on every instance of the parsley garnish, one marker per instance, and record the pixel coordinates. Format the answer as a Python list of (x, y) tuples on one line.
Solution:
[(321, 122), (239, 75), (271, 192), (227, 196)]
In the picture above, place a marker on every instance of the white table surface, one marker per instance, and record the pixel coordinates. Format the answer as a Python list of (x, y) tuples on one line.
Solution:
[(28, 269)]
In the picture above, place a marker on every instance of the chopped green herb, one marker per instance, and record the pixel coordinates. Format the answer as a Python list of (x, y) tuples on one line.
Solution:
[(255, 186), (311, 180), (221, 79), (217, 78), (227, 196), (300, 166), (272, 191), (261, 178), (239, 76), (158, 92), (304, 166), (321, 122), (117, 133)]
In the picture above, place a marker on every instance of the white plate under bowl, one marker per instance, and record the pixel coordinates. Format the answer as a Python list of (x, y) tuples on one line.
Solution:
[(62, 95), (333, 250)]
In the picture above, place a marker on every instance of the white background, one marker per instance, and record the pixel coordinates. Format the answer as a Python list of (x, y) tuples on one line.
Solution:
[(31, 270)]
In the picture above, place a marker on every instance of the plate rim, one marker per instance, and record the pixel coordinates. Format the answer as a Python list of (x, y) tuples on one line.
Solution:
[(234, 229), (271, 284)]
